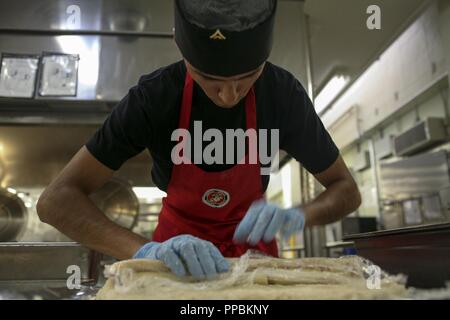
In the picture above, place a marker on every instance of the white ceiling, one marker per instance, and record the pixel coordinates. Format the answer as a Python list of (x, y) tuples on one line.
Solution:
[(340, 38)]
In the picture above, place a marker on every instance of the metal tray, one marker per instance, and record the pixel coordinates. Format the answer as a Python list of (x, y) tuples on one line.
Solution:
[(46, 261), (422, 253)]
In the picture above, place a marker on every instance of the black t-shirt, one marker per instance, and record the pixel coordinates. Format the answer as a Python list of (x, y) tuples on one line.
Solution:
[(149, 113)]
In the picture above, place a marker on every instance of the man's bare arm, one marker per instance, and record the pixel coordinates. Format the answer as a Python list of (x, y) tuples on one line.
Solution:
[(65, 204), (340, 198)]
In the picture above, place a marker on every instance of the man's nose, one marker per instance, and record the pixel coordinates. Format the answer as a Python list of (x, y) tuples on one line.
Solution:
[(229, 93)]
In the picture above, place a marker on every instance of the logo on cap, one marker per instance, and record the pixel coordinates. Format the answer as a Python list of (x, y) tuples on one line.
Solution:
[(217, 35), (216, 198)]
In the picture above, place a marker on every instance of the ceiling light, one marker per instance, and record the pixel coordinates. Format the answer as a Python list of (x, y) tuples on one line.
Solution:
[(331, 90)]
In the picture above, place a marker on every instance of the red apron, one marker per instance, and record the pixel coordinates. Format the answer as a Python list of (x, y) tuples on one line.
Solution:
[(210, 205)]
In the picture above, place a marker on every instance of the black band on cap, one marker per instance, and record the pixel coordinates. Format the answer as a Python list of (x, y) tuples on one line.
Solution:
[(220, 52)]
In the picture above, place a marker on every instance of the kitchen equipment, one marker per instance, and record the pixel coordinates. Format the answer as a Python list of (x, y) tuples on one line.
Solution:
[(432, 208), (414, 176), (118, 201), (29, 261), (41, 270), (413, 212), (425, 134), (421, 253), (353, 225), (392, 215), (13, 216)]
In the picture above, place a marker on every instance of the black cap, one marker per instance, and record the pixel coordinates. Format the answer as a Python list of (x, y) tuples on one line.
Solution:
[(221, 52)]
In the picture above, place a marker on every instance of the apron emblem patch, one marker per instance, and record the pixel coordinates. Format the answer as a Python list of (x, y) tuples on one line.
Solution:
[(216, 198)]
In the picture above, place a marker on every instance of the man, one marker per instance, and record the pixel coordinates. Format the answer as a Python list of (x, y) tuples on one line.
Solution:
[(212, 210)]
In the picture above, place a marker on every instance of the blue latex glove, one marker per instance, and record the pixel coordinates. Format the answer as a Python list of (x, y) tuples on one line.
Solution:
[(186, 254), (263, 220)]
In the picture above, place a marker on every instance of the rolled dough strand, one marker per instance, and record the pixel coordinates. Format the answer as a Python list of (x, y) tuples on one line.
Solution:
[(293, 277), (137, 265), (348, 266), (121, 268), (273, 270)]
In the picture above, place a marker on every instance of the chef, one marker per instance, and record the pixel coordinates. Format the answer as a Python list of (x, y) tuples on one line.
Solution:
[(212, 210)]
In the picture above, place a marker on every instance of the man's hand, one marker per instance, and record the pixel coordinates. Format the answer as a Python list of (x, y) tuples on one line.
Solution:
[(264, 220), (186, 254)]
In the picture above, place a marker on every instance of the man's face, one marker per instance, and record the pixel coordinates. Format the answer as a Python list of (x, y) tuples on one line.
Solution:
[(225, 92)]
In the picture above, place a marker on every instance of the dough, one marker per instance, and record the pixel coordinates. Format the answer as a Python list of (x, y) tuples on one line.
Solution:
[(251, 278)]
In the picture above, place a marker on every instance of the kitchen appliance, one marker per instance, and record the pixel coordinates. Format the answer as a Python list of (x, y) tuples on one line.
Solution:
[(413, 212), (118, 201), (43, 270), (354, 225), (414, 176), (13, 216), (424, 134)]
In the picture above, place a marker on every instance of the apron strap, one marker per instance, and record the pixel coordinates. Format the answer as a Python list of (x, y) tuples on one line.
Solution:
[(185, 113)]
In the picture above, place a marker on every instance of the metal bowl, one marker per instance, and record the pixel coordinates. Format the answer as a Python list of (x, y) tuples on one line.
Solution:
[(13, 216), (118, 201)]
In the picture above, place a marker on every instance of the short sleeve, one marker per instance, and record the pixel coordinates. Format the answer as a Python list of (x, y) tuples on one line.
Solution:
[(125, 133), (305, 138)]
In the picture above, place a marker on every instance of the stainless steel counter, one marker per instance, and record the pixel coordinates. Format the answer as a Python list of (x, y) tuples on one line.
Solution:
[(422, 253), (44, 290), (41, 270)]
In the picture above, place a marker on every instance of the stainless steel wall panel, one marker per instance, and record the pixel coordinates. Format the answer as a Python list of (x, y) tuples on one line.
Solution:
[(415, 176), (87, 47), (95, 15), (123, 61)]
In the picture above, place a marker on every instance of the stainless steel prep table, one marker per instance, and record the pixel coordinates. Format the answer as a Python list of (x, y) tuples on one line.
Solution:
[(39, 270)]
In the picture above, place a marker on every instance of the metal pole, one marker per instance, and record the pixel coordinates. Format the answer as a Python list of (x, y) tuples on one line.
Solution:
[(375, 177)]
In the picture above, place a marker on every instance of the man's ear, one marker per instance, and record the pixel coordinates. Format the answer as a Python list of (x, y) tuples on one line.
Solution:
[(176, 44), (173, 38)]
